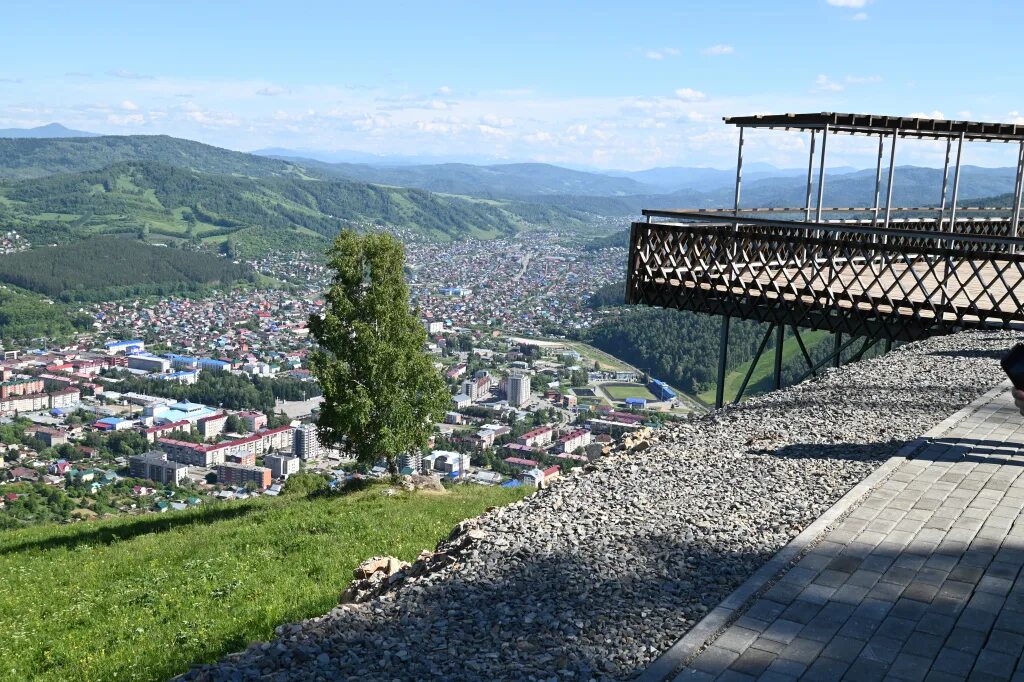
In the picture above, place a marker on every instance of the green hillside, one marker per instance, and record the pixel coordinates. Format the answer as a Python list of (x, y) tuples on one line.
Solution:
[(107, 267), (167, 203), (144, 598)]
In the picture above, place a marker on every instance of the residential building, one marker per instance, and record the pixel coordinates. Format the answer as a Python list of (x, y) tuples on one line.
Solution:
[(211, 455), (574, 440), (240, 474), (52, 437), (247, 458), (155, 466), (212, 426), (154, 432), (65, 397), (20, 387), (517, 388), (413, 461), (281, 466), (538, 438), (253, 420), (477, 388), (306, 445)]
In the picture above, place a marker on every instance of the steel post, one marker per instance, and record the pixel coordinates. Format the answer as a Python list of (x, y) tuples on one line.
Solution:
[(945, 181), (878, 181), (810, 178), (1015, 221), (821, 175), (780, 337), (837, 349), (956, 183), (892, 174), (723, 350)]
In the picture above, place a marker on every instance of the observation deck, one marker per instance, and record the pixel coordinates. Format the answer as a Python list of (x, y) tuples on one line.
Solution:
[(873, 273)]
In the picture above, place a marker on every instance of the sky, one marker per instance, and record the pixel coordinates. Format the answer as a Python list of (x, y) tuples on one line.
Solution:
[(606, 85)]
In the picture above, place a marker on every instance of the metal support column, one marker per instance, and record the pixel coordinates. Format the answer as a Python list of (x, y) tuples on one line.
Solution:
[(892, 173), (821, 175), (723, 350), (837, 349), (945, 182), (1015, 220), (878, 181), (956, 183), (780, 337), (810, 178)]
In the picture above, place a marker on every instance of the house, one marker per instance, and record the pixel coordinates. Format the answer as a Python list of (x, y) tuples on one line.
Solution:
[(24, 474), (540, 478)]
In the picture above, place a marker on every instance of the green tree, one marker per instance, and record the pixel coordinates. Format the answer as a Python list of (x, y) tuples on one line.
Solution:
[(382, 393)]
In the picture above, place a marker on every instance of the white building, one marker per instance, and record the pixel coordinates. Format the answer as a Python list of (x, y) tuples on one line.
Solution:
[(281, 466), (517, 387), (305, 444)]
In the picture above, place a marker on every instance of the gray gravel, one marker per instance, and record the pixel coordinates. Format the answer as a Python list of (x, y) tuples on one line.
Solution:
[(597, 576)]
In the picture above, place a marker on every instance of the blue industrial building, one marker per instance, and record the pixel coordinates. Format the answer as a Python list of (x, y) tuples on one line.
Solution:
[(661, 390)]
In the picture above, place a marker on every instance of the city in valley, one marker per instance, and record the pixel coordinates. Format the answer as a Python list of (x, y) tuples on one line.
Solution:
[(171, 402)]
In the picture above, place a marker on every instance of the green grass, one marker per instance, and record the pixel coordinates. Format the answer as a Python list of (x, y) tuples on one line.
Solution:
[(144, 598), (760, 380), (590, 354), (623, 391)]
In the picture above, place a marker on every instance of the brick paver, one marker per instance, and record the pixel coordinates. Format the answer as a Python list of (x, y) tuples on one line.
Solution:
[(921, 581)]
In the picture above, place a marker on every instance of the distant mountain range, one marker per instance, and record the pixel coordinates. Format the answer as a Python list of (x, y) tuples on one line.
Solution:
[(47, 131), (161, 188)]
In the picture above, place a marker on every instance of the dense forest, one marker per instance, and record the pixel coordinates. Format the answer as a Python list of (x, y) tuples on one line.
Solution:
[(104, 268), (676, 346), (231, 391), (24, 317)]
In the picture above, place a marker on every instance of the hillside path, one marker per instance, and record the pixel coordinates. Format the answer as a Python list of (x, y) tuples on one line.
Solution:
[(918, 579)]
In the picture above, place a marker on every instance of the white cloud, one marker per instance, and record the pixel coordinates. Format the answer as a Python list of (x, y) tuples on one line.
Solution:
[(662, 53), (854, 4), (824, 84), (129, 105), (690, 95), (928, 114), (444, 90), (716, 50)]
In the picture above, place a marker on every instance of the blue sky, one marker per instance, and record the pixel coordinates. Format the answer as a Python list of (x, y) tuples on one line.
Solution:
[(597, 84)]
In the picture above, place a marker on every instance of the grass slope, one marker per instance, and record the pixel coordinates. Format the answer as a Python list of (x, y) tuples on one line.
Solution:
[(144, 598), (762, 378)]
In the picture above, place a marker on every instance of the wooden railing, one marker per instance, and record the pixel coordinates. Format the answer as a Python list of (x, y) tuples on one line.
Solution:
[(908, 281)]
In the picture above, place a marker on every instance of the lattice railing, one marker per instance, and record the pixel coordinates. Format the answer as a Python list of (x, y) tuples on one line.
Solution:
[(900, 283)]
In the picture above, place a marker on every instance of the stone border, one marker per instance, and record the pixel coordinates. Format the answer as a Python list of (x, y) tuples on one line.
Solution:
[(732, 607)]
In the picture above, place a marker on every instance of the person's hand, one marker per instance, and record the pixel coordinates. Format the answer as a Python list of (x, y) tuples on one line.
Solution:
[(1018, 399)]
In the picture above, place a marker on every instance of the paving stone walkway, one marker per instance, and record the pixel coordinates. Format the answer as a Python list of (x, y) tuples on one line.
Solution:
[(920, 580)]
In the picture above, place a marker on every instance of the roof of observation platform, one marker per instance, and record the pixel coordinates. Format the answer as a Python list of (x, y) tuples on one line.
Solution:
[(873, 124)]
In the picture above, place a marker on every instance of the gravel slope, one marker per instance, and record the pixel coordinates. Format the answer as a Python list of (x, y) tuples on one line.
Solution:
[(597, 576)]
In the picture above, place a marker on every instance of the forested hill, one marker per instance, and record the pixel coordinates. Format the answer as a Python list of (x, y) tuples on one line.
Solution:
[(160, 200), (107, 267), (36, 158)]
